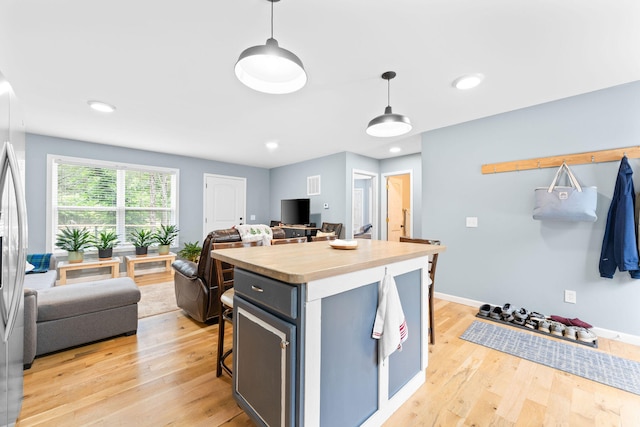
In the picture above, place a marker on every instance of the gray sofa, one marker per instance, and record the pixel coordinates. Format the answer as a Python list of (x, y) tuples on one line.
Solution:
[(60, 317)]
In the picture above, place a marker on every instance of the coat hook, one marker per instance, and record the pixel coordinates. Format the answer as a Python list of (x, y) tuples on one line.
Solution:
[(593, 159), (538, 164), (494, 168)]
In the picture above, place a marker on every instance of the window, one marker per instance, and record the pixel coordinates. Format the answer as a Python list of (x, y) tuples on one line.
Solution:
[(103, 195)]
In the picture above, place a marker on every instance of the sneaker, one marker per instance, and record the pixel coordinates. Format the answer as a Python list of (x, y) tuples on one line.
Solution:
[(536, 315), (571, 332), (586, 335), (544, 326), (507, 312), (531, 324), (496, 313), (521, 315), (557, 328), (485, 309)]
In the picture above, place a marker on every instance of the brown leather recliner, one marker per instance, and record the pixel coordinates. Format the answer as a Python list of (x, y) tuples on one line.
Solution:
[(195, 284)]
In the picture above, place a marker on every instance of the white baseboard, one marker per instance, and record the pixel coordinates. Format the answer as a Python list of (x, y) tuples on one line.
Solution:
[(601, 332)]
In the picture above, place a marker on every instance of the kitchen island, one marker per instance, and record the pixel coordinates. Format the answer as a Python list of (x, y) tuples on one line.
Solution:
[(303, 319)]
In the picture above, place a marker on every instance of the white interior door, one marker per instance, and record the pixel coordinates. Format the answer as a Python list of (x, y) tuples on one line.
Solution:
[(225, 202)]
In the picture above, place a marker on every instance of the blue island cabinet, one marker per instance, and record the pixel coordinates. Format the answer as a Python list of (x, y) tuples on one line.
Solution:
[(303, 352)]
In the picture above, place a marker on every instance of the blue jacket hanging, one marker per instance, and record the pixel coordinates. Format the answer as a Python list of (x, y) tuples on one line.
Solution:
[(620, 245)]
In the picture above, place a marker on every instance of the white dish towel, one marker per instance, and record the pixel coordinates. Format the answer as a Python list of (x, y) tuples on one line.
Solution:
[(390, 326)]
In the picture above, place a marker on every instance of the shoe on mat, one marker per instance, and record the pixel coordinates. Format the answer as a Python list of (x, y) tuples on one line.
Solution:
[(519, 321), (531, 324), (485, 309), (496, 313), (536, 315), (557, 328), (521, 315), (571, 332), (571, 322), (586, 335), (544, 326), (507, 312)]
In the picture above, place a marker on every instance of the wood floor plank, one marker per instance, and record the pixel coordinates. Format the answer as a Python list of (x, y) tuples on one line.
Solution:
[(165, 375)]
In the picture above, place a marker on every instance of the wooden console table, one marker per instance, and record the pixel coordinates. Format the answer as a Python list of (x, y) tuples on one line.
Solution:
[(132, 260), (65, 266)]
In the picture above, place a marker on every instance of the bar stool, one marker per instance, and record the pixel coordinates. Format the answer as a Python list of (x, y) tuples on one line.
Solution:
[(224, 279), (433, 262)]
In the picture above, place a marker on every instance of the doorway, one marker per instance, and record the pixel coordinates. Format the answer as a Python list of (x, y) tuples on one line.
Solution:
[(364, 202), (398, 205), (224, 202)]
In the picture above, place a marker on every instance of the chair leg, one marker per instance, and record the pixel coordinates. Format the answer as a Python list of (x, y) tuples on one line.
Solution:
[(220, 343), (432, 328)]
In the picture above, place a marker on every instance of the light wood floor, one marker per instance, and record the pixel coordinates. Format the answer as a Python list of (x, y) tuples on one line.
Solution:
[(165, 376)]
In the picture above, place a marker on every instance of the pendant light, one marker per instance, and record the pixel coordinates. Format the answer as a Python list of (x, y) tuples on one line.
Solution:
[(389, 124), (269, 68)]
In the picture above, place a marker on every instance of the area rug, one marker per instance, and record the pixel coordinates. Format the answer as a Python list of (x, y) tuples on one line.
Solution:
[(585, 362), (156, 299)]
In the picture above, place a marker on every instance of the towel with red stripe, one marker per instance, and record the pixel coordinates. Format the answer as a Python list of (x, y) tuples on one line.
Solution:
[(390, 326)]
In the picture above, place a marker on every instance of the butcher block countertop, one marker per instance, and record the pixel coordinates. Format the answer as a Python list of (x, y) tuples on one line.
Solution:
[(305, 262)]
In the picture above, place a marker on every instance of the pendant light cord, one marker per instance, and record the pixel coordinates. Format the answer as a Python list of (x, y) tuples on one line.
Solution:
[(388, 92), (271, 19)]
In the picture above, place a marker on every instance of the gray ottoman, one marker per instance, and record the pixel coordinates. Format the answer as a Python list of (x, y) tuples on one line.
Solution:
[(72, 315)]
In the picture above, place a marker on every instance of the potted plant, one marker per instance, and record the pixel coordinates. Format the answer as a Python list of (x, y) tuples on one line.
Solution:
[(191, 251), (141, 238), (105, 243), (164, 237), (74, 241)]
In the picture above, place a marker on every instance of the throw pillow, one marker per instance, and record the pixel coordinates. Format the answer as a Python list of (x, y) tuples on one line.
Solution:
[(324, 234)]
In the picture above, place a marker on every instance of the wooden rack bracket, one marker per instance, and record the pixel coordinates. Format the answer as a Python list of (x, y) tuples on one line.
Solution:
[(613, 155)]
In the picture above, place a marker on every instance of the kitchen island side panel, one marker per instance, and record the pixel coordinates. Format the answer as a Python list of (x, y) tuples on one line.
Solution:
[(349, 362), (405, 364)]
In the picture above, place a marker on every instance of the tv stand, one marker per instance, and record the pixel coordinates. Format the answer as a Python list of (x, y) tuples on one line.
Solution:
[(299, 231)]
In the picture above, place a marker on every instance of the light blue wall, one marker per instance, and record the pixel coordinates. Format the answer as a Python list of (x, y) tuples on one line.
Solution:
[(290, 182), (192, 172), (510, 257)]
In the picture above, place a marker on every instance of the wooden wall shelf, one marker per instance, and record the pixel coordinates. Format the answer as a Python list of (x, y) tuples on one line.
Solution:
[(613, 155)]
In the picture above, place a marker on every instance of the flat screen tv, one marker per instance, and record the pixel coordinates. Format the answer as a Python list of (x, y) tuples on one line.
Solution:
[(295, 211)]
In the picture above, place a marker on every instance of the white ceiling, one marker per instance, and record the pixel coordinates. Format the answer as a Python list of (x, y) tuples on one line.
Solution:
[(168, 68)]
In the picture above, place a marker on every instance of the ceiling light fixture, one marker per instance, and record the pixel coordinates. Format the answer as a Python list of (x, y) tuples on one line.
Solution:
[(271, 145), (389, 124), (103, 107), (395, 149), (269, 68), (468, 81)]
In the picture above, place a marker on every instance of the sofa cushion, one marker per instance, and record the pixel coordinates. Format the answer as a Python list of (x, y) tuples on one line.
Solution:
[(77, 299)]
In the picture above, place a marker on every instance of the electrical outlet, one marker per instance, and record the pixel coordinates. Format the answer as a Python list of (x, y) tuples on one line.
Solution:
[(326, 205), (472, 221), (253, 217), (570, 296)]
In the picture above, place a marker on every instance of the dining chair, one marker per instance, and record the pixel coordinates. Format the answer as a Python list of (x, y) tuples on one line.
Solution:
[(433, 262)]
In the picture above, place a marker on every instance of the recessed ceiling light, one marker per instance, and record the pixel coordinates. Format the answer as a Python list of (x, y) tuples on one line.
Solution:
[(103, 107), (395, 149), (468, 81), (271, 145)]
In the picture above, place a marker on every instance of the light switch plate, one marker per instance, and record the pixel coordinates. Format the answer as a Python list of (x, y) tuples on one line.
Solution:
[(472, 221)]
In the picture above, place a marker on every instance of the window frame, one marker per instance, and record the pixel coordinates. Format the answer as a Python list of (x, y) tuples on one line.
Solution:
[(51, 225)]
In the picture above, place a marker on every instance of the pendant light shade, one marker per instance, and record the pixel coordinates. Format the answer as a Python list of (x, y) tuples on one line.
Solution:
[(269, 68), (389, 124)]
